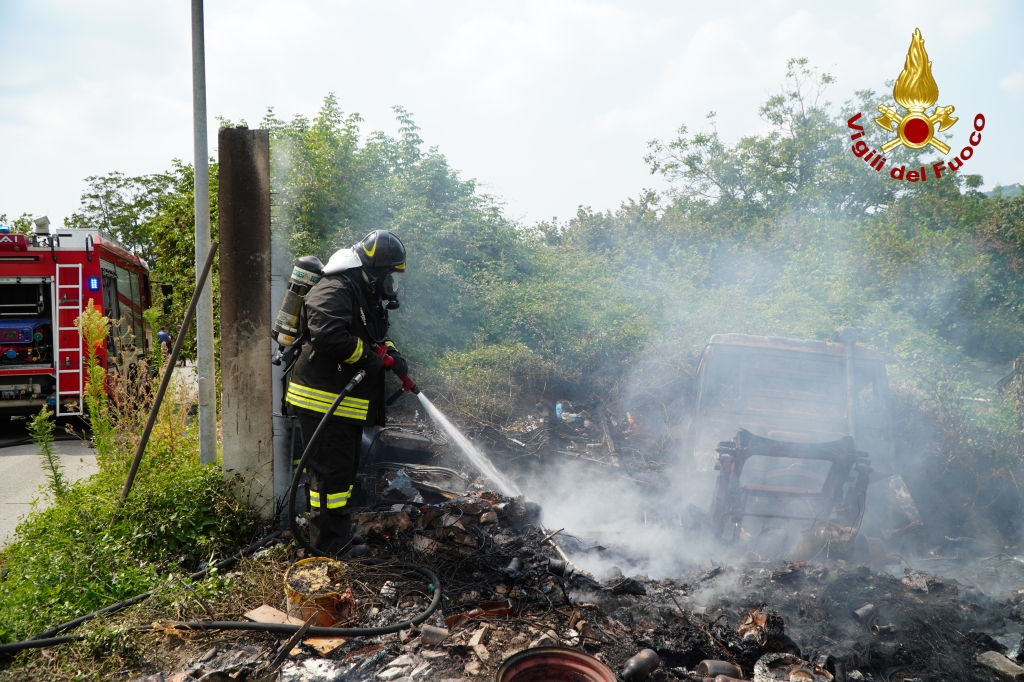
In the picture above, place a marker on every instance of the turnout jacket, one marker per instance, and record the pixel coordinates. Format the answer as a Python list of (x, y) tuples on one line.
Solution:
[(341, 323)]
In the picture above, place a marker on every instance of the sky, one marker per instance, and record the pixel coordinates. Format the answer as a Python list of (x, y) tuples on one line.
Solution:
[(548, 104)]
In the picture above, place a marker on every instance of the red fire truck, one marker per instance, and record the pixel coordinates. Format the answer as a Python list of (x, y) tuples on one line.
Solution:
[(46, 280)]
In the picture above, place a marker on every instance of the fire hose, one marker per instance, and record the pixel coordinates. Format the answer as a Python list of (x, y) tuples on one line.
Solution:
[(435, 602), (47, 638), (408, 385)]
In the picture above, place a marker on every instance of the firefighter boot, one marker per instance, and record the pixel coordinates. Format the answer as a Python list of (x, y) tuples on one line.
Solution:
[(329, 529), (344, 545), (354, 544)]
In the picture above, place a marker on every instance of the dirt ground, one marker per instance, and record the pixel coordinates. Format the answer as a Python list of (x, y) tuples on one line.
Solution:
[(512, 578)]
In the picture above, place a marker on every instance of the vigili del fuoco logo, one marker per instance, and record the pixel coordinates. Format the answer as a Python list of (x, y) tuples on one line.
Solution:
[(915, 91)]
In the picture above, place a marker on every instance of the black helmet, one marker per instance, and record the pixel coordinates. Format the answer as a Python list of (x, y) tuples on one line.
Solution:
[(381, 253)]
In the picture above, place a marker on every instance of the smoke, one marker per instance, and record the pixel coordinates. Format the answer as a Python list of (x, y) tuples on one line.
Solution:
[(617, 307), (810, 276), (473, 454), (645, 529)]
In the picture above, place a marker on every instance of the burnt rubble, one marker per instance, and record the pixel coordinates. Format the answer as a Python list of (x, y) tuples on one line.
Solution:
[(508, 587), (770, 611)]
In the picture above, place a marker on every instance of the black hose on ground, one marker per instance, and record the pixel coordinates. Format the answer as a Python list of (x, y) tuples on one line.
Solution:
[(47, 639), (290, 629), (15, 647), (121, 605), (276, 628)]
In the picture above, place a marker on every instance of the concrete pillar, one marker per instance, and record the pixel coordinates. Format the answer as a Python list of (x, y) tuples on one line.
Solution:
[(245, 319)]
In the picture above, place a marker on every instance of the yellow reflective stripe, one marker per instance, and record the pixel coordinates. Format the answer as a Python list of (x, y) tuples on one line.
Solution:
[(357, 354), (351, 413), (323, 407), (334, 500), (390, 344), (344, 409), (323, 396), (400, 267), (320, 401), (346, 402)]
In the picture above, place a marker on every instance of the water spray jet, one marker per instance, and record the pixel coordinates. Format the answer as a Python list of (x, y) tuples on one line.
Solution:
[(471, 452)]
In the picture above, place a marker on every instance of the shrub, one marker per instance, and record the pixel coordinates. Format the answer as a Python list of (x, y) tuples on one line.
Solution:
[(68, 560), (77, 556), (489, 382)]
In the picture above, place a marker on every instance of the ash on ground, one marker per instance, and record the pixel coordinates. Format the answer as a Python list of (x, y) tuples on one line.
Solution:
[(507, 587), (512, 579)]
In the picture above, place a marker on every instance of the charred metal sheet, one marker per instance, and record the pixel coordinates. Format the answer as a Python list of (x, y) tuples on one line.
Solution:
[(793, 390), (802, 345), (840, 490)]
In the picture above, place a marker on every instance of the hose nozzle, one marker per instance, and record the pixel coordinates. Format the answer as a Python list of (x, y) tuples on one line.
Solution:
[(408, 385)]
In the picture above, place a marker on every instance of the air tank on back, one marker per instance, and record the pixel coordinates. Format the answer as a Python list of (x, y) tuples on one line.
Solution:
[(308, 271)]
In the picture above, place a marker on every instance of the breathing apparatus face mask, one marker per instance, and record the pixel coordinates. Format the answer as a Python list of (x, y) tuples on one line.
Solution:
[(390, 293), (383, 282)]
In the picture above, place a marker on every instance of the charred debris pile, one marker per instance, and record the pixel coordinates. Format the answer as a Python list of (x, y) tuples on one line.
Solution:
[(515, 591), (511, 594)]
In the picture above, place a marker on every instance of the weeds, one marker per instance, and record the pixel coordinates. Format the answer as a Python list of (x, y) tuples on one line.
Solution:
[(491, 382), (95, 329), (69, 559), (156, 352), (40, 427), (113, 646)]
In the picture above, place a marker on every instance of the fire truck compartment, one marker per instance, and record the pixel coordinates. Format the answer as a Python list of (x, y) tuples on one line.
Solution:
[(26, 345), (46, 280), (25, 342), (22, 298)]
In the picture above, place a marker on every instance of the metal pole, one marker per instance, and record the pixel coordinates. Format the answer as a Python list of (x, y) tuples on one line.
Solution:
[(168, 371), (279, 261), (206, 367)]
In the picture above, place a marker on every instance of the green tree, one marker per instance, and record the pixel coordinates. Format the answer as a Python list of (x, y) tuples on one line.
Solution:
[(123, 207), (802, 163), (330, 191), (20, 225), (154, 216)]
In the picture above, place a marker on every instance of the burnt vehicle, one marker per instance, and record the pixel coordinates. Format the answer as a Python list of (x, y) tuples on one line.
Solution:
[(796, 429), (790, 390)]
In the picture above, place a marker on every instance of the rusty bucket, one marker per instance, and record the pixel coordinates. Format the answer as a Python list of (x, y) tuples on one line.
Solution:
[(553, 664), (317, 586)]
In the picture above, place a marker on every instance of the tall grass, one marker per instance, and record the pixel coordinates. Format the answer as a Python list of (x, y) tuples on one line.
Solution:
[(70, 559), (40, 427)]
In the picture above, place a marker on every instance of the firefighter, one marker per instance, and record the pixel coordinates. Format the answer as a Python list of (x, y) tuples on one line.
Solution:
[(345, 321)]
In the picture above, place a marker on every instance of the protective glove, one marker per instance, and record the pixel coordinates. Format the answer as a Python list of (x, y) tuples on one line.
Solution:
[(401, 366), (386, 361), (391, 359), (371, 362)]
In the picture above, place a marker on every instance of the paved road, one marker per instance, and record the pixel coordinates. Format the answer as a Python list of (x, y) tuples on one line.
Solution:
[(21, 474)]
